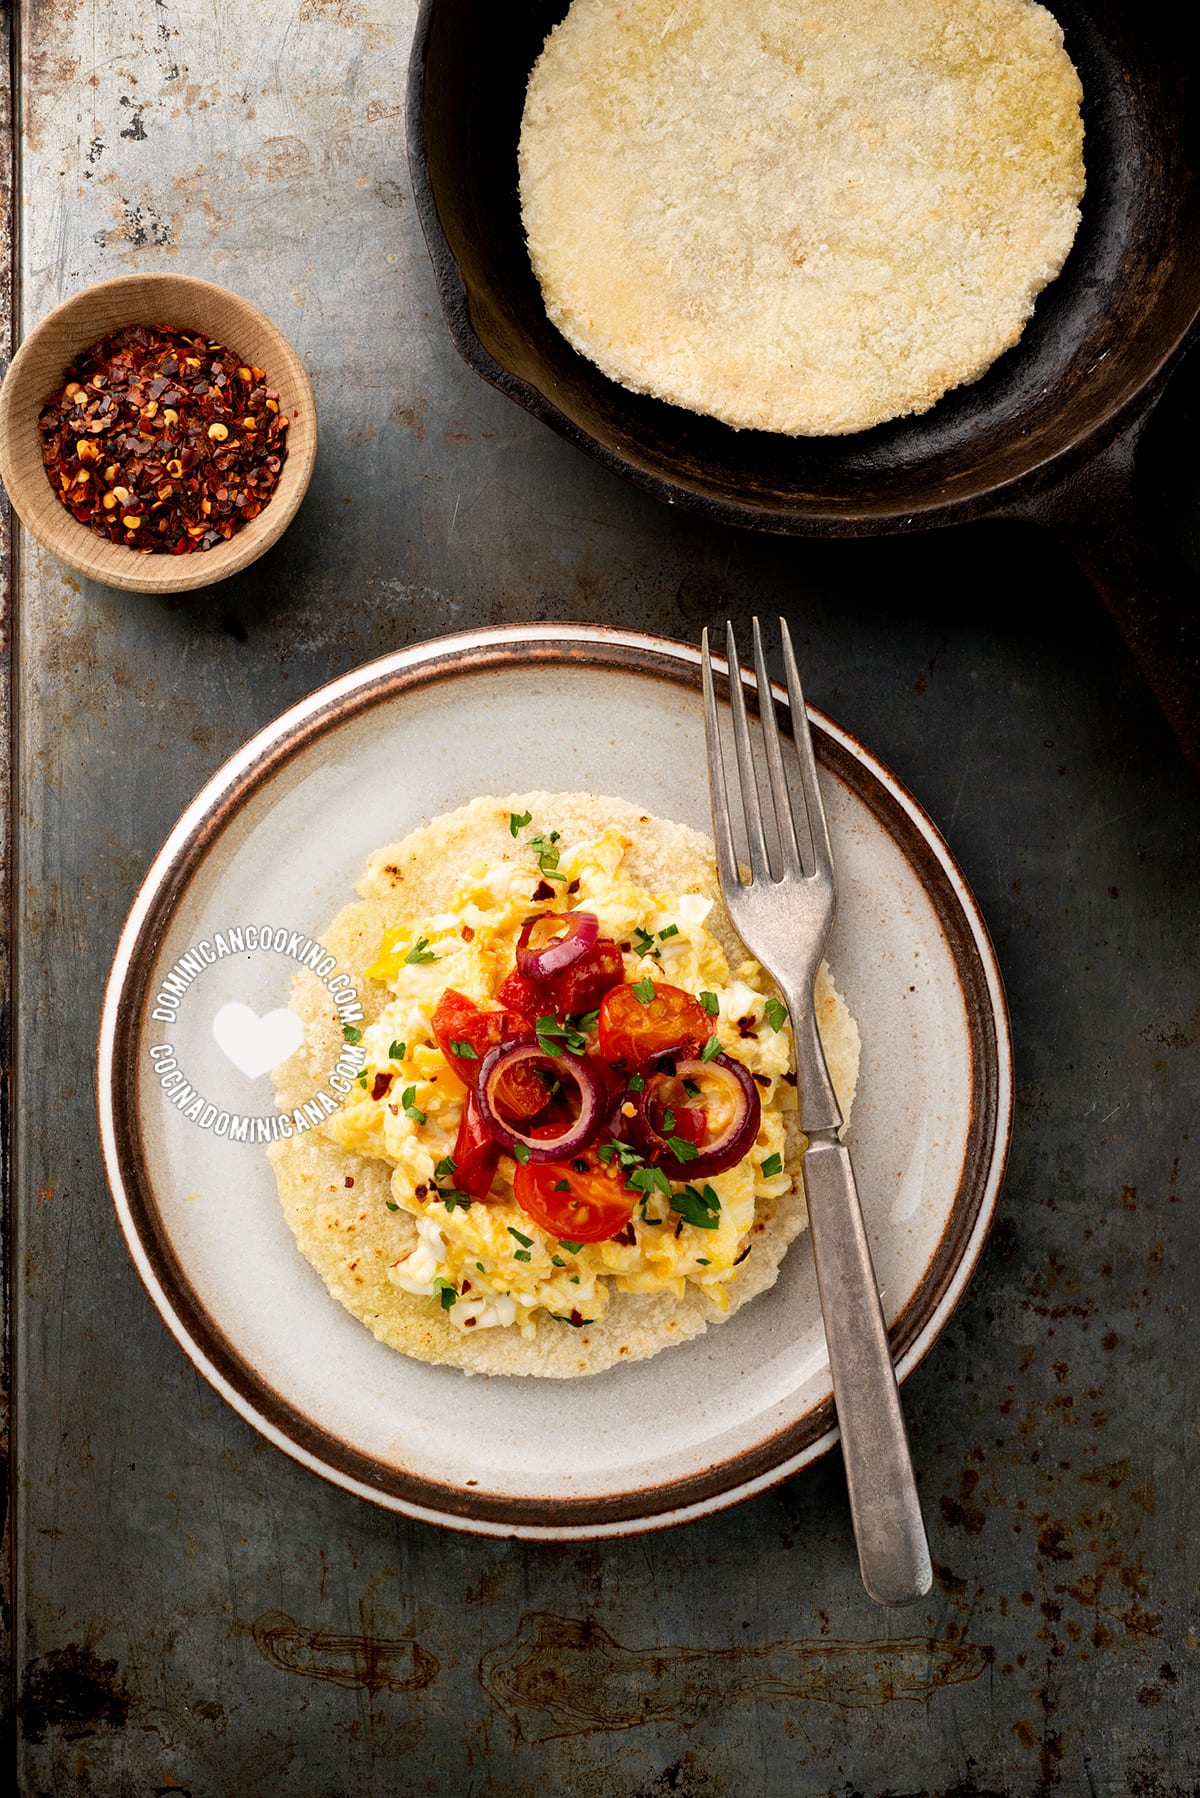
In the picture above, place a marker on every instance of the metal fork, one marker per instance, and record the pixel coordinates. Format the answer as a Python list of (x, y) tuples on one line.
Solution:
[(784, 917)]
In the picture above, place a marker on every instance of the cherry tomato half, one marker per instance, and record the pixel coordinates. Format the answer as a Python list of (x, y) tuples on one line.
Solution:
[(575, 1206), (580, 988), (577, 989), (631, 1031), (458, 1021), (526, 997)]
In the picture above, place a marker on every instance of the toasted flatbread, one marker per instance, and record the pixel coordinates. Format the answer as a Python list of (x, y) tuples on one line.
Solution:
[(346, 1231), (801, 216)]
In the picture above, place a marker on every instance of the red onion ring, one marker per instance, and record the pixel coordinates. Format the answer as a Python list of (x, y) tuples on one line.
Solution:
[(563, 951), (577, 1134), (734, 1140)]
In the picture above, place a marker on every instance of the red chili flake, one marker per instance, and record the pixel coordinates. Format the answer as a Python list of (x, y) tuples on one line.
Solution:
[(163, 440), (381, 1085)]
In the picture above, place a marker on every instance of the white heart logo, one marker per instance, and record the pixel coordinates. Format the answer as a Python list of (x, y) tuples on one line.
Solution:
[(256, 1045)]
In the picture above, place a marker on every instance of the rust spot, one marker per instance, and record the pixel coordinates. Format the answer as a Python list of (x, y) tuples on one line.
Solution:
[(561, 1676), (1052, 1753), (72, 1690), (1052, 1543), (411, 417), (961, 1512), (280, 159), (376, 1663), (948, 1581)]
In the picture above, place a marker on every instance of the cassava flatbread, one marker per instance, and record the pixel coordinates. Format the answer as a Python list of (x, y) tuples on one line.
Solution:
[(346, 1231), (802, 216)]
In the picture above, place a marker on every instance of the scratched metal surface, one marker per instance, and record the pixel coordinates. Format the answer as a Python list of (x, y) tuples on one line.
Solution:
[(195, 1612)]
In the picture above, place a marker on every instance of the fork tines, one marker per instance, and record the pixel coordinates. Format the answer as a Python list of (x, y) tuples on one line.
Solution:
[(791, 840)]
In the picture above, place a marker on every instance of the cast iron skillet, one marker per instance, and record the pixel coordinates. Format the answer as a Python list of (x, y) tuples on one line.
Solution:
[(1048, 434)]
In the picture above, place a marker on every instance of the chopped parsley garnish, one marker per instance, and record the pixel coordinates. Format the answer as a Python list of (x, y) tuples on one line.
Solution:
[(556, 1034), (636, 1084), (409, 1106), (572, 1248), (643, 942), (445, 1168), (454, 1200), (362, 1078), (480, 1266), (772, 1165), (670, 931), (712, 1047), (668, 1119), (575, 1281), (518, 820), (419, 952), (647, 1180), (520, 1153), (691, 1089), (464, 1050), (391, 1204), (682, 1149), (576, 1322), (643, 990), (587, 1020), (701, 1262), (526, 1242), (562, 1186), (521, 1255), (621, 1153), (547, 856), (775, 1013), (350, 1034), (397, 1052), (445, 1291), (711, 1003), (557, 1261), (698, 1207)]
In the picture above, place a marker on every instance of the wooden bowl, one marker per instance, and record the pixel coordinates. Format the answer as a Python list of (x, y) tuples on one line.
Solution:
[(37, 372)]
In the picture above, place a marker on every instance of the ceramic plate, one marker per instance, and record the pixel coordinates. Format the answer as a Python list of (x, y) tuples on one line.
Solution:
[(275, 842)]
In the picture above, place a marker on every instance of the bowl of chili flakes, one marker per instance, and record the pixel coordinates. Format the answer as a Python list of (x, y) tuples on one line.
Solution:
[(184, 460)]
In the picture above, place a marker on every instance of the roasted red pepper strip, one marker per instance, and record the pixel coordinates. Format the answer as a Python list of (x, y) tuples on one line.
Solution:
[(476, 1156)]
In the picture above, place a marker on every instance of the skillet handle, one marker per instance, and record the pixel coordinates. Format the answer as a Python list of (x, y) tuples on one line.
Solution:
[(1151, 593)]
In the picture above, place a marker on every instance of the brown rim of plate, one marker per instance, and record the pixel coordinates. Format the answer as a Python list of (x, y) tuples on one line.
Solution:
[(914, 1330)]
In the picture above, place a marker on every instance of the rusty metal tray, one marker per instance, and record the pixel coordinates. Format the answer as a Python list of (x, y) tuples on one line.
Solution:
[(193, 1612)]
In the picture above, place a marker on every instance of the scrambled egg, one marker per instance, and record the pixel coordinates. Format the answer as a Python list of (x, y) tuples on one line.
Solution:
[(488, 1264)]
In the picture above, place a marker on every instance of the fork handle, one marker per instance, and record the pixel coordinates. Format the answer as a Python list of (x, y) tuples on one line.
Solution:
[(893, 1552)]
